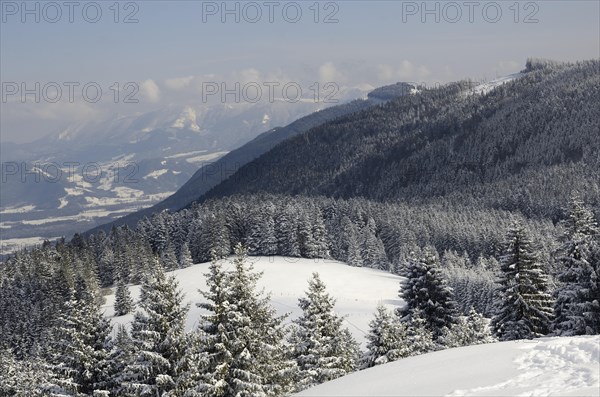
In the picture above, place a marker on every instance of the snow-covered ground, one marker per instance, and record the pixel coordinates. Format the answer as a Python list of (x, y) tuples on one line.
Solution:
[(484, 88), (357, 290), (542, 367)]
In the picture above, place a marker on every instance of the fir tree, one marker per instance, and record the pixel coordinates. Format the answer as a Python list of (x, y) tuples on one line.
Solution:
[(185, 256), (157, 334), (26, 378), (426, 290), (80, 347), (387, 339), (419, 338), (242, 338), (469, 330), (576, 305), (525, 306), (123, 301), (168, 259), (322, 348)]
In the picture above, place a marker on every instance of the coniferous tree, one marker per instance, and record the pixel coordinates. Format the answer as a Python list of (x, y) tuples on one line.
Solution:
[(469, 330), (80, 347), (426, 290), (353, 251), (577, 306), (243, 342), (157, 334), (26, 378), (286, 230), (185, 256), (386, 340), (419, 338), (525, 308), (123, 301), (322, 347), (118, 358), (168, 259)]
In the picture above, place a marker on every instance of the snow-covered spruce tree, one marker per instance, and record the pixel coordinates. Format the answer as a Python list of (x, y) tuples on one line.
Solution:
[(425, 289), (123, 301), (525, 307), (242, 339), (120, 355), (387, 339), (576, 305), (590, 291), (185, 256), (213, 237), (469, 330), (191, 368), (286, 230), (262, 239), (168, 259), (79, 348), (419, 338), (157, 334), (322, 347), (351, 244), (372, 250), (25, 378)]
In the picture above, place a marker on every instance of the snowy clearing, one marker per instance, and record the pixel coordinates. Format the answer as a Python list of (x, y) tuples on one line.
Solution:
[(357, 290), (485, 88), (542, 367)]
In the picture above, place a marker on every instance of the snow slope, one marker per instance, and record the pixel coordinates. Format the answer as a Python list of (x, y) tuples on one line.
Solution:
[(485, 88), (543, 367), (357, 290)]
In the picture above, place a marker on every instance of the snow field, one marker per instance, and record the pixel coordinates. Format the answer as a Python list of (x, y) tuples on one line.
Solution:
[(358, 290), (565, 366)]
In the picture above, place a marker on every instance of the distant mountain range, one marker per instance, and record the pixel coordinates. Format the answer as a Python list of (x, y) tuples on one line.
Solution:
[(93, 172)]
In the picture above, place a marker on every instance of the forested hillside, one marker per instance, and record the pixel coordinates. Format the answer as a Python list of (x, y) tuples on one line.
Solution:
[(524, 147)]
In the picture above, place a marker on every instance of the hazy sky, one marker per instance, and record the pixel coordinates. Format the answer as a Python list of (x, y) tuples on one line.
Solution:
[(176, 47)]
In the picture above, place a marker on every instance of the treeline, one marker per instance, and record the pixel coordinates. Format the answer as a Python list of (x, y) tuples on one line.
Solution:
[(358, 232)]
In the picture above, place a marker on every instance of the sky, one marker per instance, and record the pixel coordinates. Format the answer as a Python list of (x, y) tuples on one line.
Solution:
[(112, 58)]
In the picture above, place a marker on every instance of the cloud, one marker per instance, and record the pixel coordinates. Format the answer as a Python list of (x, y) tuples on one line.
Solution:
[(405, 71), (179, 83), (249, 76), (328, 73), (150, 91), (508, 67)]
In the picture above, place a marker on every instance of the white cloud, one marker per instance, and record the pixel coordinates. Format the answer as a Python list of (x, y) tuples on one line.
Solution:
[(403, 72), (508, 67), (178, 83), (150, 91), (249, 76), (328, 73)]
